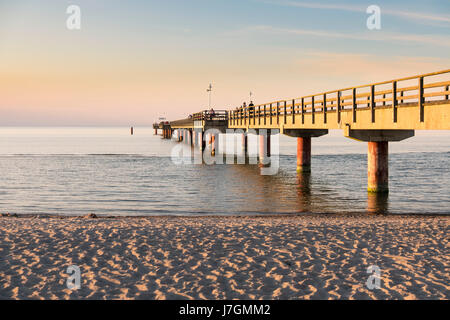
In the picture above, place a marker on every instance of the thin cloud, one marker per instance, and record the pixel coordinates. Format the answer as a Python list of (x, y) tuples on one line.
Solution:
[(350, 8), (332, 63), (391, 37)]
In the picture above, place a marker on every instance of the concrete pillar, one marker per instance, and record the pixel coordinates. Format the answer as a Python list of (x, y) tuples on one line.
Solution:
[(213, 144), (304, 154), (201, 143), (208, 140), (156, 132), (244, 144), (378, 167), (264, 149), (378, 153)]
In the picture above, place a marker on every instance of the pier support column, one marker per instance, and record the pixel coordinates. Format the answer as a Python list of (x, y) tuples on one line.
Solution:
[(244, 144), (208, 141), (378, 154), (201, 143), (378, 167), (304, 154), (213, 144), (264, 148), (304, 145)]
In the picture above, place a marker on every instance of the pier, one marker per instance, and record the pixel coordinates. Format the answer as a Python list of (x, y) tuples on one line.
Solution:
[(376, 113)]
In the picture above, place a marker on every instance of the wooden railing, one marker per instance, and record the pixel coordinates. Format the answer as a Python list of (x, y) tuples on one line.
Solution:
[(416, 90), (210, 115), (162, 124)]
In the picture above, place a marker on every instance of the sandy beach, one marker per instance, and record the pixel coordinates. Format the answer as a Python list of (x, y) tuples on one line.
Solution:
[(285, 257)]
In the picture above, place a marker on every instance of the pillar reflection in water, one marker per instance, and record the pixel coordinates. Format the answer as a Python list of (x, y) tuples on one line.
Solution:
[(377, 203), (304, 191)]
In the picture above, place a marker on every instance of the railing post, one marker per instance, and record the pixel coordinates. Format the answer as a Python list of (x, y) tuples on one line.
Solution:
[(270, 114), (303, 110), (324, 108), (372, 102), (278, 113), (338, 107), (421, 100), (285, 112), (259, 115), (293, 111), (354, 105), (394, 100), (446, 89), (265, 114), (312, 110)]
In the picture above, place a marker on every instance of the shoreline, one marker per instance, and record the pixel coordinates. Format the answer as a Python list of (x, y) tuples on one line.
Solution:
[(306, 256), (213, 216)]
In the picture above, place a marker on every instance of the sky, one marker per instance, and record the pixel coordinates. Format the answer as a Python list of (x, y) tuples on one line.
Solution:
[(135, 61)]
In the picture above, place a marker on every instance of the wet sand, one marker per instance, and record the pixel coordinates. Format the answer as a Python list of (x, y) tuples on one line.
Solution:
[(287, 257)]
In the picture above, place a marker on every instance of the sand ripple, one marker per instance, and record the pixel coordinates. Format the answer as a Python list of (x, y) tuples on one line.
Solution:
[(301, 257)]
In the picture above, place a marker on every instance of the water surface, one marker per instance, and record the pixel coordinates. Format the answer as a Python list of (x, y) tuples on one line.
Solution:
[(74, 171)]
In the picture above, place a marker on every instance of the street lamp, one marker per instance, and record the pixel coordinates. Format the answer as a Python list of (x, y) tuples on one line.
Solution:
[(209, 90)]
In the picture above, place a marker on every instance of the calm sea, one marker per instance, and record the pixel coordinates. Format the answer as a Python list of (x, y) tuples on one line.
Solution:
[(106, 171)]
